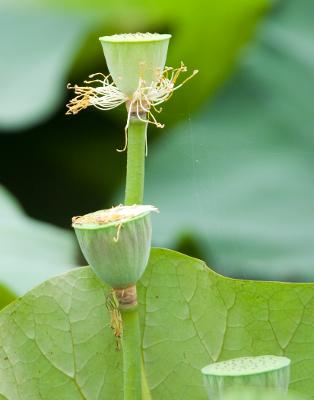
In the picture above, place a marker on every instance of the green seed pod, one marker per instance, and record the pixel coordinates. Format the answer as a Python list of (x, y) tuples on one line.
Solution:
[(259, 394), (116, 242), (257, 372), (132, 58)]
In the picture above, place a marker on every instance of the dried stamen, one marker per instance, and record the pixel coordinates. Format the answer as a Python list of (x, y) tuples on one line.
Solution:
[(143, 101), (116, 238), (112, 304), (117, 300)]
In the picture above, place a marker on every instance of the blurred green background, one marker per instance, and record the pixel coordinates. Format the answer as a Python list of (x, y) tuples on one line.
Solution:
[(232, 170)]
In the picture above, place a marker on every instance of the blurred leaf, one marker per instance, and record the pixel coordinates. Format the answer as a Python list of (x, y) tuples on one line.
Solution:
[(31, 251), (6, 296), (45, 37), (238, 179), (35, 62), (56, 343)]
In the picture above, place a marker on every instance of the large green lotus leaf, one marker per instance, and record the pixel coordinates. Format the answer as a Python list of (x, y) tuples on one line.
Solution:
[(55, 342), (45, 37), (238, 179), (31, 251)]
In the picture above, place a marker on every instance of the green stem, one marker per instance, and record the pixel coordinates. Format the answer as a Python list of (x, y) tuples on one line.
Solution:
[(134, 191), (146, 395), (131, 340)]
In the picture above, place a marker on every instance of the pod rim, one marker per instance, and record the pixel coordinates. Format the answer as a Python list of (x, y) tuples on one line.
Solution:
[(114, 213), (135, 37)]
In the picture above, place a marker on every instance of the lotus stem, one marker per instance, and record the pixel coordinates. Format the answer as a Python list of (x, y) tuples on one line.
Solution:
[(136, 146), (134, 194), (131, 347)]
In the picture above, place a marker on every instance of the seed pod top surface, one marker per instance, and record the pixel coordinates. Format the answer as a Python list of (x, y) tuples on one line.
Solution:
[(135, 58), (246, 366), (112, 216)]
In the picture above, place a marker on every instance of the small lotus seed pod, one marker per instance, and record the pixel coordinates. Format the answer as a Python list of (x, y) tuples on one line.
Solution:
[(116, 242), (259, 394), (255, 372), (134, 57)]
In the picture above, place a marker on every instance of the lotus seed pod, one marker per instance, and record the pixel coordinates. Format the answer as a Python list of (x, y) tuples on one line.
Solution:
[(253, 372), (134, 57), (116, 242), (259, 394)]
